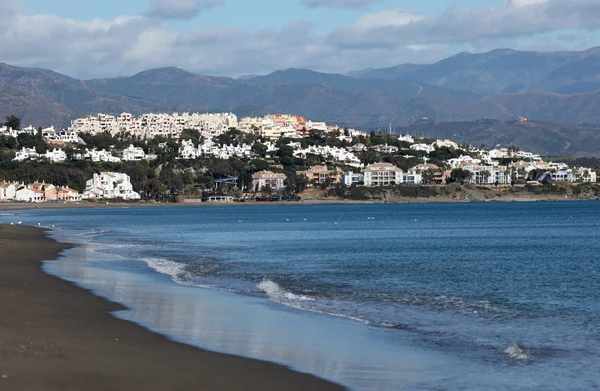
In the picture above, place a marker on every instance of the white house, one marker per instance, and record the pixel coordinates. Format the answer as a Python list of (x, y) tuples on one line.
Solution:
[(264, 178), (382, 174), (26, 194), (97, 156), (423, 147), (110, 185), (8, 191), (56, 155), (132, 153), (26, 153)]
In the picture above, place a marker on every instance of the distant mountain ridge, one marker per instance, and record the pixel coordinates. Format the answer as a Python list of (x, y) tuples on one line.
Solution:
[(504, 71), (504, 84)]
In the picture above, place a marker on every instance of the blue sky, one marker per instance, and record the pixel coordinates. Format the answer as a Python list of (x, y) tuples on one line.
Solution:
[(246, 13), (96, 38)]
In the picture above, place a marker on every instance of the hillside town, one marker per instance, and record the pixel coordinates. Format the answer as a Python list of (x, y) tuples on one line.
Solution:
[(272, 154)]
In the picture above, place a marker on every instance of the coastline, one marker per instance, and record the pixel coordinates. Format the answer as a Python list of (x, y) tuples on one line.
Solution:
[(404, 200), (58, 336)]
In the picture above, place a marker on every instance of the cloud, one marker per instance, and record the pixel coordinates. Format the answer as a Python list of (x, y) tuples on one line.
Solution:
[(181, 9), (338, 3), (473, 26), (129, 44)]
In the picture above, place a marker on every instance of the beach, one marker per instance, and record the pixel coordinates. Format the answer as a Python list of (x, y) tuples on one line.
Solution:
[(55, 335)]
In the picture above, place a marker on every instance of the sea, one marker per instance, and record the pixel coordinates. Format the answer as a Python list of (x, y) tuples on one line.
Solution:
[(434, 296)]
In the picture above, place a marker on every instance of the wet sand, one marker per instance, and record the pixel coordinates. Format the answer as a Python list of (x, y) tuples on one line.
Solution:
[(57, 336)]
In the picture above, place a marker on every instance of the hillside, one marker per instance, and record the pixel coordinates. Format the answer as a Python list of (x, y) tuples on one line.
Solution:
[(544, 138), (504, 71), (558, 87)]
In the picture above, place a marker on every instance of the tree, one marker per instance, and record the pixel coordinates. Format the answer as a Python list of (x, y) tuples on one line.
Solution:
[(459, 175), (260, 149), (485, 174), (13, 121)]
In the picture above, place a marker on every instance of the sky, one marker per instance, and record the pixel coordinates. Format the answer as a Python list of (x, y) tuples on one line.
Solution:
[(93, 39)]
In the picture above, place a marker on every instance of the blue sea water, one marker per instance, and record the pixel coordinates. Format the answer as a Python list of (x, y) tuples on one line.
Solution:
[(490, 296)]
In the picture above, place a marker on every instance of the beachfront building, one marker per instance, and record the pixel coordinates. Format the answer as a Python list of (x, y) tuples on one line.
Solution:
[(319, 175), (66, 194), (353, 178), (26, 194), (110, 185), (8, 191), (262, 179), (50, 191), (382, 174)]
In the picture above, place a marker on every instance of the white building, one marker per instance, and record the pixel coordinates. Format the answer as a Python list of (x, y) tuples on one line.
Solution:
[(56, 155), (382, 174), (110, 185), (25, 194), (423, 147), (97, 156), (8, 191), (264, 178), (353, 178), (25, 154), (132, 153)]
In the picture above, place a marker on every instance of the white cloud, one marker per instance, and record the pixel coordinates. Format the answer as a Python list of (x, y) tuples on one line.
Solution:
[(338, 3), (181, 9), (394, 18), (128, 44)]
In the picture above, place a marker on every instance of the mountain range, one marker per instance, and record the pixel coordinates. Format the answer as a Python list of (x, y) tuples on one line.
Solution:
[(504, 84)]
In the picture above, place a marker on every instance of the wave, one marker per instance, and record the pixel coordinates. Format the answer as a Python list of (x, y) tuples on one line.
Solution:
[(278, 294), (519, 352), (171, 268)]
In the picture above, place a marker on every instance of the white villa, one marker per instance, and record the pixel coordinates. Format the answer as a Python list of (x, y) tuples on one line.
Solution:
[(97, 156), (110, 185), (382, 174), (264, 178)]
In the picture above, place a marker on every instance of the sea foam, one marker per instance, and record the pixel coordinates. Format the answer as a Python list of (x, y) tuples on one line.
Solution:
[(518, 352), (279, 294)]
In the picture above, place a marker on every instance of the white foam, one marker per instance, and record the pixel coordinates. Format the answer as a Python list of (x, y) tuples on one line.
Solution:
[(171, 268), (278, 294), (518, 352)]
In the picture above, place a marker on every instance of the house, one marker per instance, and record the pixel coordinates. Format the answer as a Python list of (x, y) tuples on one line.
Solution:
[(132, 153), (67, 194), (97, 156), (7, 191), (382, 174), (56, 155), (423, 148), (385, 148), (322, 174), (26, 194), (264, 178), (446, 144), (353, 178), (110, 185), (26, 153), (431, 173), (49, 190)]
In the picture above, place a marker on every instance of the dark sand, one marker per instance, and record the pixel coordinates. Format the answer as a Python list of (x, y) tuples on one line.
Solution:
[(57, 336)]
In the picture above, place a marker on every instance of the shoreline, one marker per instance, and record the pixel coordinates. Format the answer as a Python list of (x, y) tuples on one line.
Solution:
[(8, 206), (58, 336)]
